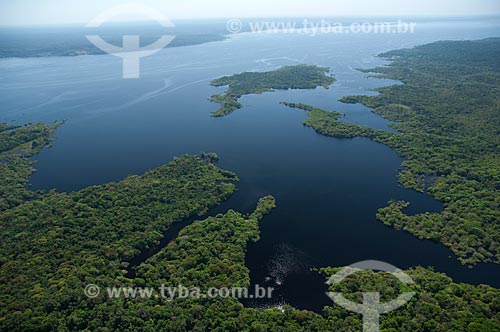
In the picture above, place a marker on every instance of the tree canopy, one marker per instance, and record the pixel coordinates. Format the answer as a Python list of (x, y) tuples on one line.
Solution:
[(290, 77)]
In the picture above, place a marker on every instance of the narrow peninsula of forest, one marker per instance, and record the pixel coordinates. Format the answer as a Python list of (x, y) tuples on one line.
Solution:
[(291, 77), (327, 123), (17, 145)]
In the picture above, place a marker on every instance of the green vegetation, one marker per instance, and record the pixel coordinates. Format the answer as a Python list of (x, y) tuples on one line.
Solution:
[(438, 305), (17, 145), (327, 123), (448, 118), (5, 126), (448, 109), (291, 77), (52, 246)]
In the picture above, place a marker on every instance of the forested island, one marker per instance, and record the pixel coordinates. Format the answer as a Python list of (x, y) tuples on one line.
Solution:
[(290, 77), (448, 118)]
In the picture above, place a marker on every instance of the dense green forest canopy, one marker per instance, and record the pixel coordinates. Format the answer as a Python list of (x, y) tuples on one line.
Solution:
[(327, 123), (17, 145), (290, 77), (51, 246), (439, 304), (448, 114)]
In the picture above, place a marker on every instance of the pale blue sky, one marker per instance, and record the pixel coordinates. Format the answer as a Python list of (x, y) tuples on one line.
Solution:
[(77, 11)]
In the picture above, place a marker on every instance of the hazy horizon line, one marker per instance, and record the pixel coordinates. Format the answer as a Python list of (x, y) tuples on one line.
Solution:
[(213, 19)]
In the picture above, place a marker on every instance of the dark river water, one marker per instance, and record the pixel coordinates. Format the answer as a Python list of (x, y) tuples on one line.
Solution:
[(328, 190)]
